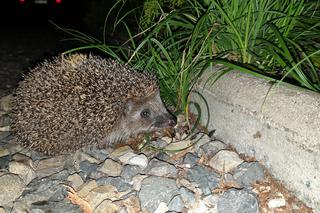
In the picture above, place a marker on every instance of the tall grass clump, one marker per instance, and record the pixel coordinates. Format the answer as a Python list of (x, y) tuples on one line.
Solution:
[(273, 39)]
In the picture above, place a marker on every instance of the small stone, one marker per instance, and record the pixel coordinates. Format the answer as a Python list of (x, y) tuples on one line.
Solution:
[(118, 182), (87, 168), (23, 159), (155, 190), (86, 188), (211, 148), (50, 166), (162, 208), (205, 179), (5, 103), (41, 192), (80, 156), (76, 181), (98, 154), (4, 151), (24, 171), (101, 193), (110, 167), (159, 144), (54, 207), (234, 201), (11, 187), (62, 175), (200, 206), (129, 171), (161, 168), (176, 204), (126, 157), (163, 156), (106, 206), (225, 161), (248, 173), (117, 153), (137, 181), (2, 210), (129, 205), (276, 203), (200, 140), (139, 160), (211, 201), (190, 159), (187, 195)]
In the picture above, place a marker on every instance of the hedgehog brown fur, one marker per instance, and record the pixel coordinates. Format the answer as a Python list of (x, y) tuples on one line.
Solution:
[(78, 100)]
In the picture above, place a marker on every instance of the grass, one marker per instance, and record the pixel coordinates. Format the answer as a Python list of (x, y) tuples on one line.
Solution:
[(275, 40)]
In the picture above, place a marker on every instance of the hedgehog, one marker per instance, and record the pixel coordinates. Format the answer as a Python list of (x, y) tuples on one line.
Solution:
[(77, 100)]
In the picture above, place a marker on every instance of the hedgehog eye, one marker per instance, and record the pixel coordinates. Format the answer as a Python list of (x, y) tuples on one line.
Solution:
[(145, 113)]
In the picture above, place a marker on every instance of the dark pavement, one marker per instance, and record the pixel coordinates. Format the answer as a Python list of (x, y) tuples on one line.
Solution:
[(27, 37)]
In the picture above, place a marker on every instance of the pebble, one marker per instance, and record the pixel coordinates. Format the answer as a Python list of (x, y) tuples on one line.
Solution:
[(129, 171), (235, 201), (101, 193), (200, 140), (225, 161), (205, 179), (276, 203), (162, 208), (49, 166), (211, 148), (110, 167), (84, 189), (118, 182), (190, 159), (119, 152), (176, 204), (76, 181), (155, 190), (137, 181), (87, 168), (106, 206), (187, 195), (248, 173), (11, 187), (138, 160), (161, 168), (25, 171)]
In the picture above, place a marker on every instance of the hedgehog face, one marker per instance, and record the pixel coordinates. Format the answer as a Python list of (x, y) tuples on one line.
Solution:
[(147, 114)]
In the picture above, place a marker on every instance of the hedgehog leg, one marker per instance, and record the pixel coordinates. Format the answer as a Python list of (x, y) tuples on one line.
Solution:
[(75, 199)]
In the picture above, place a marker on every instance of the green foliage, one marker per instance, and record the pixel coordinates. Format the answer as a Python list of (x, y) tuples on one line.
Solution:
[(277, 40)]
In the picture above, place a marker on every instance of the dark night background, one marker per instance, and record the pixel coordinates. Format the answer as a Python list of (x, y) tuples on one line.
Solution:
[(27, 37)]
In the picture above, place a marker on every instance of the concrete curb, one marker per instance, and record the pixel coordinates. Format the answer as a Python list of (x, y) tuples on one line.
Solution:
[(279, 125)]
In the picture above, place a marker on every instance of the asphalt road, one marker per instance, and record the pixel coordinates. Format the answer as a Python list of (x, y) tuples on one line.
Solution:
[(25, 40)]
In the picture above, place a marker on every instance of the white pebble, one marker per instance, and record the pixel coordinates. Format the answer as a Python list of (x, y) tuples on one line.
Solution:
[(275, 203), (139, 160)]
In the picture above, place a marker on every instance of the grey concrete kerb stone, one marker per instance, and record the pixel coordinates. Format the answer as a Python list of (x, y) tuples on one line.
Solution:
[(279, 125)]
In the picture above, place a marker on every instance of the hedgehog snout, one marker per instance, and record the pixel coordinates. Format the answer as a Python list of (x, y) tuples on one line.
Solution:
[(164, 121)]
